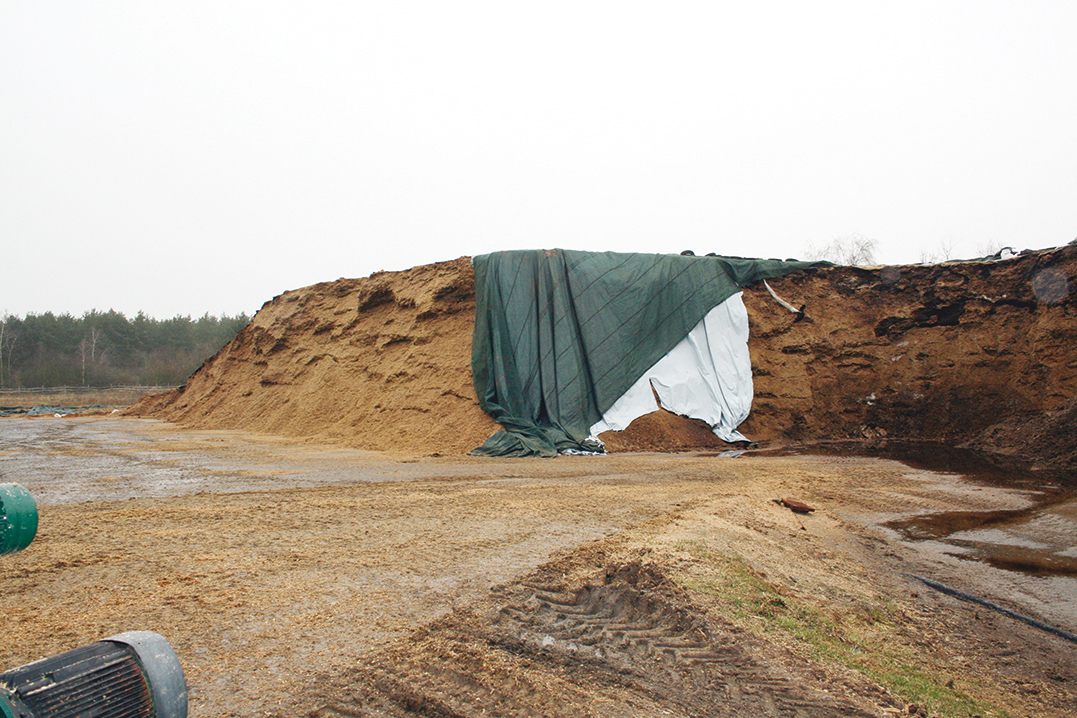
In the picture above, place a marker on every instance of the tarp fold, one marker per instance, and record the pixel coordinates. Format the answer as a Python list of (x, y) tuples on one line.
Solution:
[(561, 335)]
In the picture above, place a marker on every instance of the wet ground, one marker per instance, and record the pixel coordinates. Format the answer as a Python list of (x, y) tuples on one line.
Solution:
[(274, 565), (72, 460), (1037, 540), (1031, 550), (97, 459)]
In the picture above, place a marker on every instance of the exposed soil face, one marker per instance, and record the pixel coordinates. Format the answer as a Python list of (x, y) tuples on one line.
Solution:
[(380, 363), (981, 353), (631, 584)]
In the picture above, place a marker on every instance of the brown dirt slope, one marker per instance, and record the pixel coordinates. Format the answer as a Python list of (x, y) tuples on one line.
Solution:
[(379, 363), (939, 352), (976, 352)]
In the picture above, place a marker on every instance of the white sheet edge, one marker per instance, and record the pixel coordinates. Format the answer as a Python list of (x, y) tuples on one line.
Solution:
[(707, 376)]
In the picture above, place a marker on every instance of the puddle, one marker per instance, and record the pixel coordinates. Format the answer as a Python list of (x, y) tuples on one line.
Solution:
[(979, 466), (1038, 540), (70, 461)]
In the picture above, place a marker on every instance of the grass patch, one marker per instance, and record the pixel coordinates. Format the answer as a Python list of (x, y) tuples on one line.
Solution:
[(855, 633)]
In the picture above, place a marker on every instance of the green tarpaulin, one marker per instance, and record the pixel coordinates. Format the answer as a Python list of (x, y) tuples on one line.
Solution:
[(560, 335)]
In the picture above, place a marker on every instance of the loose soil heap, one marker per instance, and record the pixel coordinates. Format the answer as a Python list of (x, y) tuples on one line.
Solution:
[(381, 363), (980, 353)]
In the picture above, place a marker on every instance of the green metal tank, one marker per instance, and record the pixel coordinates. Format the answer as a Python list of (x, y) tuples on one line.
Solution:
[(18, 518)]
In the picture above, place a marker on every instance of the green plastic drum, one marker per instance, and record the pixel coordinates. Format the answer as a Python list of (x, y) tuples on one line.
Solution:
[(18, 518)]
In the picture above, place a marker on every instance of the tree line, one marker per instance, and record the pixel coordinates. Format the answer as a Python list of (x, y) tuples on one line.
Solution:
[(107, 348)]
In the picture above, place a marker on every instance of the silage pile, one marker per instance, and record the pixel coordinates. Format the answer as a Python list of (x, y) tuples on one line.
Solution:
[(380, 363), (980, 353)]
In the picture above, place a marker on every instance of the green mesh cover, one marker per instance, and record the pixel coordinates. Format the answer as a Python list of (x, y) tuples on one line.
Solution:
[(560, 335)]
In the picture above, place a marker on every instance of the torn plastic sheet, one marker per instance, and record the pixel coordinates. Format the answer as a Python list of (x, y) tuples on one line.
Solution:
[(707, 376)]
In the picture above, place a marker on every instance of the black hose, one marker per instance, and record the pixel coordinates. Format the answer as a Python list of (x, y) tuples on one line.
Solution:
[(1072, 637)]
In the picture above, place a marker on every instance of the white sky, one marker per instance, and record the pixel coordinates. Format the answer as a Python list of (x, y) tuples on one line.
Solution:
[(191, 157)]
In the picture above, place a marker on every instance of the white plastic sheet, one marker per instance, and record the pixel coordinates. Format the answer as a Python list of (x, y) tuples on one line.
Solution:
[(707, 376)]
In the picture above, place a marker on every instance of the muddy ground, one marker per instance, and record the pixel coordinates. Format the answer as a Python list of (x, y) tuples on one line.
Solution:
[(299, 579)]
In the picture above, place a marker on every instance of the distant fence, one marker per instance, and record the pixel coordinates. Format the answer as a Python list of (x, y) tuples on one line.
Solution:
[(84, 389)]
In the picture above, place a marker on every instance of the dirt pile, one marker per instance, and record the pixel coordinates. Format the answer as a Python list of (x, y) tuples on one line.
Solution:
[(980, 353), (965, 352), (379, 363)]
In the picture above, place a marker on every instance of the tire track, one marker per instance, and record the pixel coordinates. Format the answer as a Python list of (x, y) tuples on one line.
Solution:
[(629, 642)]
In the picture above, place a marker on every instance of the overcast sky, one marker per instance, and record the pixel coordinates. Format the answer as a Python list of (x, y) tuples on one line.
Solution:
[(192, 157)]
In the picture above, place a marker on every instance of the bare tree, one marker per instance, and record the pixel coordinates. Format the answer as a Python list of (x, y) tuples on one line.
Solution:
[(89, 346), (943, 253), (7, 345), (853, 250), (83, 350)]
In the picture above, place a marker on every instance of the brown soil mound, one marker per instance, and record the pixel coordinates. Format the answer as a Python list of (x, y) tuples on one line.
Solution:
[(1047, 438), (379, 363), (930, 352), (974, 352)]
